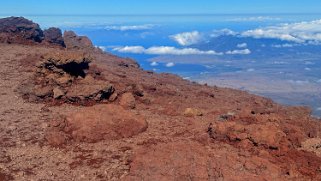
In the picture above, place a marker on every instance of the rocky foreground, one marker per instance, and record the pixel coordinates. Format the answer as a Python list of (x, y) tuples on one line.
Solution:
[(72, 112)]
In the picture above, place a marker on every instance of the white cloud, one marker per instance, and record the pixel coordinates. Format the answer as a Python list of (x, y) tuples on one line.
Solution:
[(222, 32), (187, 38), (239, 52), (131, 27), (164, 50), (130, 49), (170, 64), (303, 32), (286, 45), (279, 62), (242, 45), (154, 64), (257, 18)]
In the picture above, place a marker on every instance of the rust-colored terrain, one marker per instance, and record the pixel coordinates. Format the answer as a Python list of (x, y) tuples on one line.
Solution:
[(72, 112)]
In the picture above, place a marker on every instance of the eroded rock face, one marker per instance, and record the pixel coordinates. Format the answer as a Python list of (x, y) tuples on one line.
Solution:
[(64, 76), (100, 122), (54, 36), (75, 42), (20, 30)]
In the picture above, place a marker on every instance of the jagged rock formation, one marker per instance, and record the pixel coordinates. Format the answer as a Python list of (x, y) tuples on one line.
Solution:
[(74, 41), (64, 76), (115, 121), (22, 31), (19, 30), (54, 36)]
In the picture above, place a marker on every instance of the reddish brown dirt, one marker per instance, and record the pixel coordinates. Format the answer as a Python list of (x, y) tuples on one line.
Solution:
[(153, 127)]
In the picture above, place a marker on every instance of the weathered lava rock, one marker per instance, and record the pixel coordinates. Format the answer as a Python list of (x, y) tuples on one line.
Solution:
[(63, 76), (20, 30), (75, 42), (127, 101), (54, 36), (92, 124)]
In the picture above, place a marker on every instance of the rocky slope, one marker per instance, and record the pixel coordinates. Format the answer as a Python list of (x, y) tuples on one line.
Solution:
[(71, 112)]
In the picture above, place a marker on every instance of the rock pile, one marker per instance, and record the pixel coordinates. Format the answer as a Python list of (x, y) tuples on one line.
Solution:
[(64, 76)]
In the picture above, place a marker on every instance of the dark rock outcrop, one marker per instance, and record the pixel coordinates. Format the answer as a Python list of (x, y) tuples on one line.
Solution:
[(75, 42), (63, 76), (20, 30), (54, 36)]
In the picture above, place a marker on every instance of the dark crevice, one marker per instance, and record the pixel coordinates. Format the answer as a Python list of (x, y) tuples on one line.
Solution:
[(75, 69)]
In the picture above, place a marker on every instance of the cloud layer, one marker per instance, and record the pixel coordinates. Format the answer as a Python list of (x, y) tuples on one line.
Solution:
[(256, 19), (222, 32), (238, 52), (242, 45), (164, 50), (131, 27), (303, 32), (187, 38)]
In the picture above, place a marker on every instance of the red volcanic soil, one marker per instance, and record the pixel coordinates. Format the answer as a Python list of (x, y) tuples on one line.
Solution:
[(71, 112)]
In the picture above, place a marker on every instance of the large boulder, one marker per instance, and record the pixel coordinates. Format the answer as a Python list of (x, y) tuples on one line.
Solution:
[(65, 62), (20, 30), (96, 123), (73, 41), (54, 36), (63, 76)]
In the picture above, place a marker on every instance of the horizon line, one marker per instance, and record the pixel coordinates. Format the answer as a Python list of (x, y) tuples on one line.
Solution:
[(164, 14)]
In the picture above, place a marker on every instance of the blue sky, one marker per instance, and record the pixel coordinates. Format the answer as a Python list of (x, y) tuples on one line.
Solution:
[(23, 7)]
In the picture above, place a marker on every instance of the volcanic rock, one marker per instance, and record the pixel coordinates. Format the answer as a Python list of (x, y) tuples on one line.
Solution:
[(100, 122), (241, 136), (20, 30), (54, 36), (64, 75), (268, 135), (127, 101), (58, 93), (75, 42), (191, 112), (87, 89), (313, 145)]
